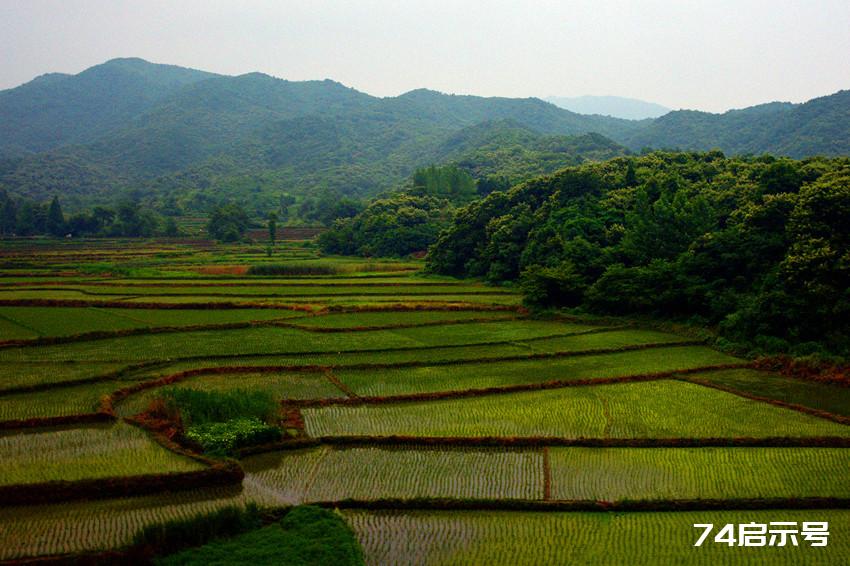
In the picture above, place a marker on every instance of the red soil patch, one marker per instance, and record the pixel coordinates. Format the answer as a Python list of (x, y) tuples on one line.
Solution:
[(223, 269)]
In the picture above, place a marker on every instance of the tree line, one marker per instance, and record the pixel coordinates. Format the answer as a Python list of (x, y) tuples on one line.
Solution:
[(756, 247), (24, 217)]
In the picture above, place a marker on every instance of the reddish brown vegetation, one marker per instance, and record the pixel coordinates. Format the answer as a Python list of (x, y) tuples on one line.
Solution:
[(223, 269), (808, 370)]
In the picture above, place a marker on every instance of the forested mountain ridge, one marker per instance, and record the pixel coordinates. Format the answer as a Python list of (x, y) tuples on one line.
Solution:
[(818, 127), (254, 137), (181, 139), (58, 109)]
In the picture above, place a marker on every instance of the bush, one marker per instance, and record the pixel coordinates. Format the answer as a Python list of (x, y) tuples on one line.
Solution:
[(201, 407), (177, 534), (224, 437), (306, 536)]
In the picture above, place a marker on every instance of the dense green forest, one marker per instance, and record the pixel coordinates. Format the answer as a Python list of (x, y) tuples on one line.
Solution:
[(756, 247), (186, 141), (22, 217)]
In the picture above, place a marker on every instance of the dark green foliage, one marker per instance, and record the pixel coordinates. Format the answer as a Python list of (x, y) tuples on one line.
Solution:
[(395, 226), (306, 536), (171, 229), (818, 127), (175, 535), (199, 407), (228, 223), (272, 226), (224, 437), (55, 219), (756, 246), (448, 182)]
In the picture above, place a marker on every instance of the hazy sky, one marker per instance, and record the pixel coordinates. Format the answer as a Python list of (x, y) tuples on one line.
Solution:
[(709, 55)]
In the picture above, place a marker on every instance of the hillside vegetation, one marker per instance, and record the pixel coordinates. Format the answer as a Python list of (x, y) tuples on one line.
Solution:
[(756, 246), (185, 141)]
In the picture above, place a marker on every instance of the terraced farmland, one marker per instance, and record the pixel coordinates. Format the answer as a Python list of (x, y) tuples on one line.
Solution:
[(450, 425)]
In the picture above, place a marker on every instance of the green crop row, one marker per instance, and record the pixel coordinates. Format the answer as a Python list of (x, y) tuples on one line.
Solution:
[(329, 474), (659, 409), (278, 340), (510, 538), (84, 453)]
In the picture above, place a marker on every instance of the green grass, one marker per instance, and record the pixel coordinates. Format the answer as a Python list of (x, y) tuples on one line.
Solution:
[(61, 401), (329, 474), (63, 321), (477, 376), (28, 374), (198, 407), (306, 385), (690, 473), (280, 340), (820, 396), (81, 453), (305, 536), (82, 526), (367, 319), (365, 289), (506, 538), (660, 409)]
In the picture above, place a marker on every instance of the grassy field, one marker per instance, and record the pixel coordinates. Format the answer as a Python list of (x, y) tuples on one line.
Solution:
[(80, 453), (353, 331), (503, 538), (330, 474), (658, 409)]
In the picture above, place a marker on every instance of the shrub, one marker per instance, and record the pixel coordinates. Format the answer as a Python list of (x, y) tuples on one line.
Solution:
[(198, 407), (224, 437), (177, 534)]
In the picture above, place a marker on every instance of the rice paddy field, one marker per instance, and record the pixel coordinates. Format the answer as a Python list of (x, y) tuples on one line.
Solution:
[(447, 424)]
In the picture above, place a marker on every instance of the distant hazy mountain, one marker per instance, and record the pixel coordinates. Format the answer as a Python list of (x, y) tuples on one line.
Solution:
[(616, 106), (190, 138)]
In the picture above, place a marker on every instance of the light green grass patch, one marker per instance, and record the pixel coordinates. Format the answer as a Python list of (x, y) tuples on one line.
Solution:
[(28, 374), (647, 539), (85, 453), (399, 381), (330, 474), (613, 474), (658, 409), (282, 385)]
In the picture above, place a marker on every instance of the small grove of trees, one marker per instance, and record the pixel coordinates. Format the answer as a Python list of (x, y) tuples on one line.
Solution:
[(328, 207), (228, 223), (27, 218), (447, 182), (396, 226)]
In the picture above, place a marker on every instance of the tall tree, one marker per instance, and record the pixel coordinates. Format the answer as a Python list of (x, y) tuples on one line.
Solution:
[(55, 218)]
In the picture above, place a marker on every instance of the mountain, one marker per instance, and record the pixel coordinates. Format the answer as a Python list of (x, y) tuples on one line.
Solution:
[(58, 109), (818, 127), (204, 137), (616, 106), (180, 138)]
